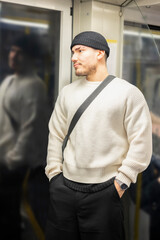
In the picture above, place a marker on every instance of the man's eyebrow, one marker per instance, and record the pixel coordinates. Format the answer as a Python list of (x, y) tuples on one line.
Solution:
[(77, 48)]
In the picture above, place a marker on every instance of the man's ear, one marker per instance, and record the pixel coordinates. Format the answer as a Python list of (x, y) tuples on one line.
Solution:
[(101, 54)]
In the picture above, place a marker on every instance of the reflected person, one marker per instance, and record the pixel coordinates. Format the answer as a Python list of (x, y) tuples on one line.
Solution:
[(22, 131)]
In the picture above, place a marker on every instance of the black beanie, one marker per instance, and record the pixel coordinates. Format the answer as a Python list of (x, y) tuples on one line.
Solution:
[(91, 39)]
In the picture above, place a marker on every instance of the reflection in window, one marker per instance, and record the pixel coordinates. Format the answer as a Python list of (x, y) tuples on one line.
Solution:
[(45, 25), (29, 64)]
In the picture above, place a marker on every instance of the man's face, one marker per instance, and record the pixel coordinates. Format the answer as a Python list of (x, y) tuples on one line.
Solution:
[(16, 59), (84, 60)]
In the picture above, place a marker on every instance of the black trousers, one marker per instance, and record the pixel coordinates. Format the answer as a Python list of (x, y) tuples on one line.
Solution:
[(77, 215), (10, 200)]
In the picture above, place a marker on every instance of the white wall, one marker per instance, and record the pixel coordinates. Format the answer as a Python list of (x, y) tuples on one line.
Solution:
[(106, 19)]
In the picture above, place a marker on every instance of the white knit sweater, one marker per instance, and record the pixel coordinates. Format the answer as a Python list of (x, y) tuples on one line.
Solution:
[(113, 137), (23, 123)]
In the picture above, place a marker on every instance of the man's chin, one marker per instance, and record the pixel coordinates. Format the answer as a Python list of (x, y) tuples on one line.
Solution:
[(79, 73)]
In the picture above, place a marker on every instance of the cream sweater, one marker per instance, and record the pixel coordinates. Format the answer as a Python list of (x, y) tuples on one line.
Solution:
[(113, 137), (23, 121)]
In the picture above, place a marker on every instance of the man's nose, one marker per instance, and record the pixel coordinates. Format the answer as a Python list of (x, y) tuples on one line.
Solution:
[(74, 57)]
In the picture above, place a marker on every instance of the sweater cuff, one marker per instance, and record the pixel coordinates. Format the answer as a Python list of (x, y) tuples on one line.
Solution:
[(123, 178)]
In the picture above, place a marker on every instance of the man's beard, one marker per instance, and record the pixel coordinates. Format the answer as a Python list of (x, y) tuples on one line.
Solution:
[(89, 71)]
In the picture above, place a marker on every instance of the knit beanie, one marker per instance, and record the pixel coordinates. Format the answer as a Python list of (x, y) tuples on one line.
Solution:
[(91, 39)]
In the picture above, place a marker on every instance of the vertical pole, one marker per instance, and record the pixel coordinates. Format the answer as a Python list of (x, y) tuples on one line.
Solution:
[(139, 179)]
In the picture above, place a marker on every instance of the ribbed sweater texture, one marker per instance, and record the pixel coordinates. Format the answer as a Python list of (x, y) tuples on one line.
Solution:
[(113, 137)]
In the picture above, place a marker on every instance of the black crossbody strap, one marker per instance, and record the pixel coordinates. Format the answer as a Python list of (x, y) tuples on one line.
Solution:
[(84, 105)]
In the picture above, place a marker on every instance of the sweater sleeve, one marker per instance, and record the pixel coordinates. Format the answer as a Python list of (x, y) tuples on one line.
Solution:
[(57, 133), (137, 122)]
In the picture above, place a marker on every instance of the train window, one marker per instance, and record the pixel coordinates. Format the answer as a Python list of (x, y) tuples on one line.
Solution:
[(29, 75), (41, 24), (141, 66)]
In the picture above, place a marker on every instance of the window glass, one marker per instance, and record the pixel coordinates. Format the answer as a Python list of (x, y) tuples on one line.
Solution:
[(29, 75), (18, 20), (141, 67)]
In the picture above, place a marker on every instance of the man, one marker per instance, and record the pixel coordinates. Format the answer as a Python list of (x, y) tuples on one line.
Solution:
[(110, 144), (23, 126)]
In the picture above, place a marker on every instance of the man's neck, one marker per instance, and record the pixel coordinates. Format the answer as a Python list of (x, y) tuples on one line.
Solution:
[(98, 76), (24, 72)]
